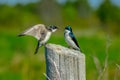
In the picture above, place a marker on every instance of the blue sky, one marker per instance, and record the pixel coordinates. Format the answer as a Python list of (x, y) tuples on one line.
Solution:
[(116, 2), (13, 2), (93, 3)]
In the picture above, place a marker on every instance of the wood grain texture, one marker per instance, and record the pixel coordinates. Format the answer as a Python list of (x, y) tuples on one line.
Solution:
[(64, 64)]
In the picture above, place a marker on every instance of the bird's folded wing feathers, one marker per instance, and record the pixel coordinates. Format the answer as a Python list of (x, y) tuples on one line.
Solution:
[(34, 31), (74, 39)]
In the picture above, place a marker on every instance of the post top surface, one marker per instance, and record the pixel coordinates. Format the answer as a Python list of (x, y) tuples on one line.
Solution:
[(64, 50)]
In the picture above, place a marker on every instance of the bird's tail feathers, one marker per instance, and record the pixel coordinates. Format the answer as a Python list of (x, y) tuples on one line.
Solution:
[(79, 49)]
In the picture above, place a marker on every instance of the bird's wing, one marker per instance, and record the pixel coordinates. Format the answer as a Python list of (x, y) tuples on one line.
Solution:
[(74, 39), (35, 31)]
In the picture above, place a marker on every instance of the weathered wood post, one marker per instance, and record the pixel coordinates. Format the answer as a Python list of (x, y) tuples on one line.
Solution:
[(64, 63)]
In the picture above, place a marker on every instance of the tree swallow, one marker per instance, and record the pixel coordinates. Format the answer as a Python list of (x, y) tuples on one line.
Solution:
[(41, 33), (70, 38)]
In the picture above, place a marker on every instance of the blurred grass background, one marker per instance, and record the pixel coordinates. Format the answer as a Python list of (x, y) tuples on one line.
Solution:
[(94, 22)]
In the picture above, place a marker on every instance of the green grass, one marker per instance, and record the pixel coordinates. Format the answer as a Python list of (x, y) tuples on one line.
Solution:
[(18, 62)]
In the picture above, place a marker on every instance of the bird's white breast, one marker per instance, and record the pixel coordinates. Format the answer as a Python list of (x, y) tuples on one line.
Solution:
[(47, 37), (69, 41)]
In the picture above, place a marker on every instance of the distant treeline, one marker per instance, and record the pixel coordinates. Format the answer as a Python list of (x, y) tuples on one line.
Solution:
[(77, 14)]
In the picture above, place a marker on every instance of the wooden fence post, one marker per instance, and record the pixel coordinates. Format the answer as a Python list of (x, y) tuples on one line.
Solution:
[(64, 64)]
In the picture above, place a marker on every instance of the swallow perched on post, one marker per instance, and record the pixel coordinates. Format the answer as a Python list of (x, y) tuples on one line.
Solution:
[(41, 33), (70, 38)]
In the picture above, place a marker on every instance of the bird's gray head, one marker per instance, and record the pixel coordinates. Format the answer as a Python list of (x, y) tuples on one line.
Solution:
[(68, 29), (52, 28)]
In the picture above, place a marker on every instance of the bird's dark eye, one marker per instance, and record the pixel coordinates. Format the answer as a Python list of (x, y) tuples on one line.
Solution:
[(68, 28), (54, 27)]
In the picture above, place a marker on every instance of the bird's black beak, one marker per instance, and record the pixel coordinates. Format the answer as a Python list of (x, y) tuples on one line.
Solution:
[(57, 28)]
